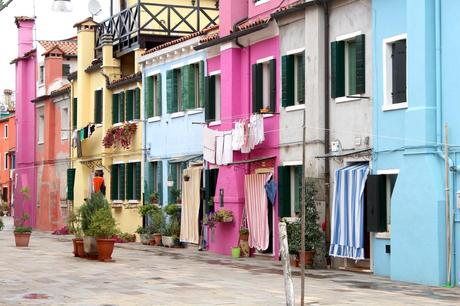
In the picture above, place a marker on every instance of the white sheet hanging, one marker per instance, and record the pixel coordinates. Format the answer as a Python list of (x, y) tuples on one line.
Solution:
[(189, 229)]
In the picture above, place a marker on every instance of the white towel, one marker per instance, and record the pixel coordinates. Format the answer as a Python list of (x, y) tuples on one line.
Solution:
[(209, 145), (238, 136), (227, 155), (219, 148)]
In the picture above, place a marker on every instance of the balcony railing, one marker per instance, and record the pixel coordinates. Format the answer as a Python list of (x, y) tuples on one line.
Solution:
[(132, 25)]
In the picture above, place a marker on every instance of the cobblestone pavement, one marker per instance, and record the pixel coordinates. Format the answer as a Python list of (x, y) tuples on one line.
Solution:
[(46, 273)]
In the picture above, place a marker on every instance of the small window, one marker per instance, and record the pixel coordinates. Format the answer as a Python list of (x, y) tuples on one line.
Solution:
[(117, 186), (175, 178), (212, 106), (153, 96), (185, 87), (156, 181), (42, 74), (395, 71), (64, 123), (98, 111), (5, 166), (41, 127), (65, 70), (264, 87), (5, 131), (133, 181), (293, 79), (290, 190), (390, 181), (13, 161)]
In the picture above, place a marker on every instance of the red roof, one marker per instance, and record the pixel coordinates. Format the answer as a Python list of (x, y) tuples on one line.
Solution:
[(68, 47)]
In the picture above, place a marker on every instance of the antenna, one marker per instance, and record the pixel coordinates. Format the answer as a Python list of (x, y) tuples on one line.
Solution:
[(94, 7)]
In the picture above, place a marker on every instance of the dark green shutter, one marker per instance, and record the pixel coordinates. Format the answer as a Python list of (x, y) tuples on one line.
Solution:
[(122, 176), (115, 109), (399, 93), (301, 78), (159, 97), (129, 105), (150, 173), (172, 175), (171, 91), (337, 69), (114, 173), (137, 103), (201, 82), (188, 87), (257, 84), (287, 80), (376, 212), (138, 181), (148, 102), (298, 188), (272, 66), (74, 113), (98, 106), (121, 101), (360, 64), (160, 181), (70, 183), (130, 181), (65, 69), (284, 192), (210, 108)]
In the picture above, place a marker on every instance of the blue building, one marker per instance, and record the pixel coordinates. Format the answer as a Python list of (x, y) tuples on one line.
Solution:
[(415, 83)]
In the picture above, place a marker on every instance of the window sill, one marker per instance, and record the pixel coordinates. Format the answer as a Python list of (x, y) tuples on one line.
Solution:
[(294, 107), (268, 115), (117, 124), (40, 142), (384, 235), (214, 123), (195, 111), (117, 202), (178, 114), (345, 99), (133, 202), (396, 106), (154, 119), (64, 138), (261, 2), (98, 125)]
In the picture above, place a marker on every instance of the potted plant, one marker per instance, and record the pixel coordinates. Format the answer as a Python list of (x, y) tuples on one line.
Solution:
[(224, 216), (5, 208), (176, 194), (294, 240), (103, 227), (244, 233), (154, 198), (22, 233), (313, 234), (87, 210), (158, 220), (1, 224), (144, 234), (73, 225)]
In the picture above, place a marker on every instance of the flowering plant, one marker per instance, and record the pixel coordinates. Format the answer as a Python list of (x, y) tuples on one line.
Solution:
[(210, 220), (119, 136)]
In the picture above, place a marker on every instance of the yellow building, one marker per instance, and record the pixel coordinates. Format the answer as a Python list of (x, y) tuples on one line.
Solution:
[(107, 93)]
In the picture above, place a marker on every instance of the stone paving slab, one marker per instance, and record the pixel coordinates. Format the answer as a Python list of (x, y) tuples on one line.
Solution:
[(46, 273)]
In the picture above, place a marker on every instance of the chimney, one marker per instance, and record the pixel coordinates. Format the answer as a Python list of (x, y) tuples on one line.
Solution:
[(231, 12), (25, 34), (9, 99)]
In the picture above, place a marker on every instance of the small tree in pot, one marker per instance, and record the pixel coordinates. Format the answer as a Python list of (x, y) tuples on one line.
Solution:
[(74, 226), (87, 210), (103, 227), (22, 233)]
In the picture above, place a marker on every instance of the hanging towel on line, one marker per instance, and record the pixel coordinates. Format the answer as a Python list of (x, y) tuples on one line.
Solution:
[(209, 145), (224, 152)]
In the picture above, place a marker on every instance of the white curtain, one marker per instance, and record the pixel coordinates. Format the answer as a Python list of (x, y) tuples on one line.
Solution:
[(189, 229)]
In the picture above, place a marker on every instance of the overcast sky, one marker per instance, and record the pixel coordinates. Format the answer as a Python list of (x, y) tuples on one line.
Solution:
[(50, 25)]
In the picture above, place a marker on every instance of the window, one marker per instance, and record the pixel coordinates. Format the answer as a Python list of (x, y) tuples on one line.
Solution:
[(185, 87), (348, 66), (117, 184), (5, 161), (65, 70), (133, 181), (74, 113), (264, 86), (5, 131), (64, 123), (379, 192), (394, 70), (212, 99), (293, 79), (98, 106), (42, 74), (41, 126), (156, 179), (126, 106), (175, 181), (290, 190), (13, 161), (153, 95), (118, 107)]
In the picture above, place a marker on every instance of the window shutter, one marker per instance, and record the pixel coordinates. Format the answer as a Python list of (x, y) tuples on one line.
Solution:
[(121, 100), (159, 96), (122, 178), (188, 87), (272, 65), (138, 181), (150, 181), (115, 109), (301, 78), (376, 203), (70, 183), (65, 69), (399, 71), (257, 85), (284, 192), (114, 173), (148, 103), (137, 105), (360, 64), (287, 80), (130, 181), (171, 92), (160, 181), (172, 176), (298, 188), (201, 85), (129, 105), (98, 106), (74, 113), (210, 110), (337, 69), (207, 102)]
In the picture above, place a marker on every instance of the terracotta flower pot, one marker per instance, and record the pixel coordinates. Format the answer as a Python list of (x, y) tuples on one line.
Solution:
[(74, 242), (80, 248), (90, 246), (105, 249), (294, 260), (157, 238), (22, 239), (244, 237), (309, 257)]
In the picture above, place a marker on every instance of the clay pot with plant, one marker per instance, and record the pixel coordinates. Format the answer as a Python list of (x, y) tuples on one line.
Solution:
[(74, 226), (22, 233), (171, 229), (103, 227), (87, 210), (224, 216)]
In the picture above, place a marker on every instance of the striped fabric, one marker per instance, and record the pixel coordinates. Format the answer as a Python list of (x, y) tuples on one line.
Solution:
[(257, 210), (347, 220)]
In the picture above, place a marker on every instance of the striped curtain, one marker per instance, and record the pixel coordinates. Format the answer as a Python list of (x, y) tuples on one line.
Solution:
[(257, 210), (347, 220)]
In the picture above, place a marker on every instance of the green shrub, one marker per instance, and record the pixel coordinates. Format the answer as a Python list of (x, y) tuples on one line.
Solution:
[(103, 224), (173, 210), (148, 210), (89, 208), (21, 228), (1, 225)]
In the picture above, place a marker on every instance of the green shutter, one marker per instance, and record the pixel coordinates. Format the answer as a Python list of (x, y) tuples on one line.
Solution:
[(287, 80), (122, 178), (210, 108), (160, 181), (360, 64), (201, 82), (114, 173), (130, 181), (301, 78), (74, 113), (188, 87), (337, 69), (137, 103), (150, 180), (70, 183), (272, 66), (159, 97), (284, 192), (138, 181), (121, 101), (171, 91), (257, 84), (129, 105), (351, 65), (98, 106), (115, 109), (148, 101), (298, 188), (172, 175)]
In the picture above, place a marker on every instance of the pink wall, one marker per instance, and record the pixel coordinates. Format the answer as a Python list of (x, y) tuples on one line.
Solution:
[(236, 102), (25, 115)]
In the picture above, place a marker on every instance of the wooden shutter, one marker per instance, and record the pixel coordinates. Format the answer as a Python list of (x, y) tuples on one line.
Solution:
[(210, 108), (138, 181), (298, 188), (130, 181), (376, 203), (284, 192), (160, 181), (121, 101), (129, 105), (171, 91), (74, 113), (137, 103), (301, 78), (149, 174), (188, 87), (201, 85), (172, 175), (65, 69), (148, 103), (159, 96), (287, 80), (257, 87), (115, 109), (122, 178), (337, 69), (114, 174), (399, 71), (272, 65), (70, 183), (360, 64), (98, 106)]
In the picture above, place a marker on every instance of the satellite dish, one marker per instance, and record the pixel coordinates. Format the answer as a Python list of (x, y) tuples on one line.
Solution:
[(94, 7)]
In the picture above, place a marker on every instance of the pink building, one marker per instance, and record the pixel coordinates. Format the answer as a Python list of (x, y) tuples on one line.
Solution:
[(26, 74), (243, 69)]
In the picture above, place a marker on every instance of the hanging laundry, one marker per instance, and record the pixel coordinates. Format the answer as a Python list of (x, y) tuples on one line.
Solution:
[(82, 134), (257, 129), (75, 137), (245, 147), (209, 145), (91, 129), (227, 155), (189, 228), (219, 147), (270, 189), (238, 136), (85, 132)]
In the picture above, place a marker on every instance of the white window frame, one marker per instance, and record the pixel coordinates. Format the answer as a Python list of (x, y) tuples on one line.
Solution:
[(387, 233), (41, 125), (218, 101), (5, 161), (5, 131), (260, 2), (64, 125), (388, 76)]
